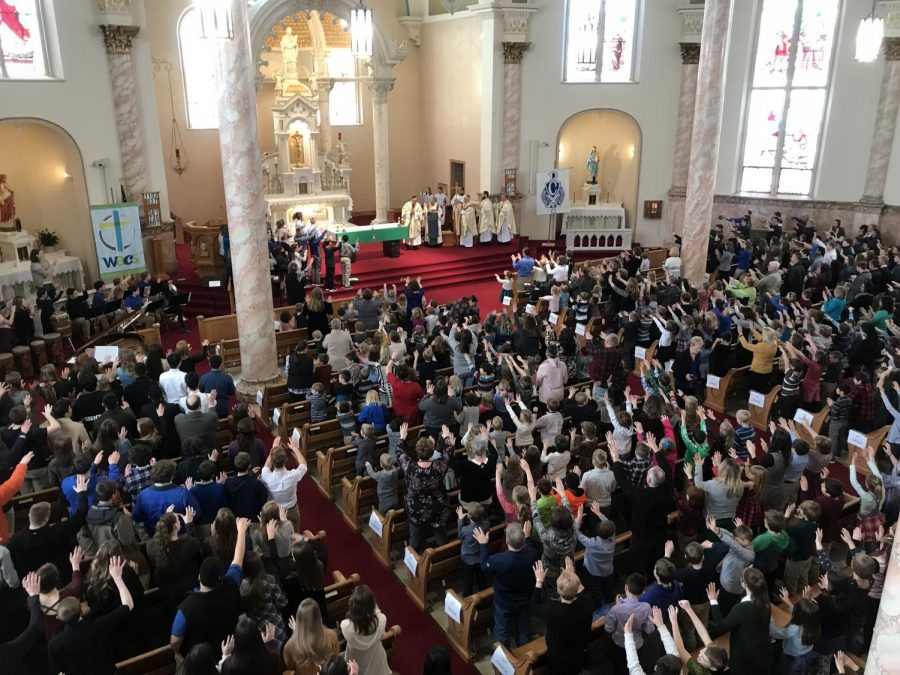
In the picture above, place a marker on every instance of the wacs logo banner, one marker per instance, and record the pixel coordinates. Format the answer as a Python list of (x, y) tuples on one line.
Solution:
[(117, 235)]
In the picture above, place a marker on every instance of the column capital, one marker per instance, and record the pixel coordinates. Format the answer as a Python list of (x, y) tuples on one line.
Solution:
[(118, 39), (380, 89), (691, 22), (324, 84), (513, 52), (892, 48), (690, 52), (889, 10)]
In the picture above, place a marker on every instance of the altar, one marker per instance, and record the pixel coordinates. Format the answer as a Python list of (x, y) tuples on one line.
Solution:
[(598, 227), (16, 279)]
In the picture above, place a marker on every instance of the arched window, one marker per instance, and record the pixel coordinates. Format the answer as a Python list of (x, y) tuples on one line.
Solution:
[(788, 95), (23, 52), (198, 69), (600, 40), (343, 108)]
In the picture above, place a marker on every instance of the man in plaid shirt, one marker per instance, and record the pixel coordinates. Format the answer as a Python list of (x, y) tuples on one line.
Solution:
[(862, 412), (606, 359), (137, 473)]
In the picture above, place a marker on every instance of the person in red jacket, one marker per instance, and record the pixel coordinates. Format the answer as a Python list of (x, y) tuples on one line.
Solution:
[(10, 489), (406, 393)]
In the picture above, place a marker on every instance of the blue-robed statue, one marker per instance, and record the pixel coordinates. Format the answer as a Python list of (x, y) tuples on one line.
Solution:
[(593, 164)]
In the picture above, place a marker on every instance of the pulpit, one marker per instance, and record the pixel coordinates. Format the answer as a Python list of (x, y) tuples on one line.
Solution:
[(204, 242)]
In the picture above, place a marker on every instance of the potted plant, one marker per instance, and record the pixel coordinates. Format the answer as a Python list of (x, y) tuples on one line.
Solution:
[(47, 239)]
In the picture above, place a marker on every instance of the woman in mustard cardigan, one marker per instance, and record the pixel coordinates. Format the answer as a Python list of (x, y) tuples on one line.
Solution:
[(764, 350)]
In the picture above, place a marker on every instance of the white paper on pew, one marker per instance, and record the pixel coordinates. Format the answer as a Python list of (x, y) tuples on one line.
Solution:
[(640, 353), (501, 663), (712, 382), (259, 397), (453, 607), (507, 300), (554, 318), (295, 436), (409, 559), (529, 309), (103, 353), (375, 524), (803, 416), (215, 284), (757, 399), (857, 438), (276, 415), (580, 329)]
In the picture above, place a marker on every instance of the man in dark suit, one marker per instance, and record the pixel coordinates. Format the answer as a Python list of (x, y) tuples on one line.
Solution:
[(196, 425), (162, 415), (136, 392)]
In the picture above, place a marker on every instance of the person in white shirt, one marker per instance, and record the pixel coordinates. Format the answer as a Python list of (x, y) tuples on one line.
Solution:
[(281, 482), (672, 264), (192, 382), (559, 271), (172, 381)]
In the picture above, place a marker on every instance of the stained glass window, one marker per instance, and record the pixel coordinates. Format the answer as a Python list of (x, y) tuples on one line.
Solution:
[(787, 101), (22, 52), (343, 109), (600, 40), (198, 69)]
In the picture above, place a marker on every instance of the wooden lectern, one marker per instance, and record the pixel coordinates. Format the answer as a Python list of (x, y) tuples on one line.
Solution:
[(204, 241)]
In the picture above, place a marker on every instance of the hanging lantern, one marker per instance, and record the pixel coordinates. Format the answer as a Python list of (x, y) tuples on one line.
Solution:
[(215, 19), (361, 31), (869, 36)]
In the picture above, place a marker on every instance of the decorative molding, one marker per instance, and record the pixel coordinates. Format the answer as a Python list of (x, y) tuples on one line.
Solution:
[(890, 11), (690, 52), (114, 6), (891, 48), (323, 84), (380, 89), (691, 22), (514, 51), (413, 26), (118, 39)]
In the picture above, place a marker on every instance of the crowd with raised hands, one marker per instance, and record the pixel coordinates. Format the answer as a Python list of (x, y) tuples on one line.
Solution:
[(701, 542)]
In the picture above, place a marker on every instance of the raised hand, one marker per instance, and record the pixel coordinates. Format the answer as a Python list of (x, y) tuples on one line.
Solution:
[(539, 573), (656, 616)]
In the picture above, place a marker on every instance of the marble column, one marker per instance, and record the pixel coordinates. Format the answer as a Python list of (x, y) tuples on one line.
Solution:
[(704, 156), (246, 206), (324, 85), (884, 653), (380, 89), (118, 39), (690, 58), (885, 124), (512, 102)]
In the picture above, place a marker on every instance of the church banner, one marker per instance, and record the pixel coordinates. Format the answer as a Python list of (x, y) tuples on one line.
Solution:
[(553, 192), (117, 235)]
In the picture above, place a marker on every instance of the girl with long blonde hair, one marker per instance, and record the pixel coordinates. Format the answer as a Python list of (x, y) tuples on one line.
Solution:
[(311, 642)]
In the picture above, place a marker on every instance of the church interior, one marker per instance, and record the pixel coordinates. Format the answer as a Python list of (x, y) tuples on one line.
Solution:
[(309, 224)]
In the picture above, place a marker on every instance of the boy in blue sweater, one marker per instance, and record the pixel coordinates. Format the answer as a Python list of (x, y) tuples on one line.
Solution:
[(153, 501), (665, 591), (209, 492), (90, 470)]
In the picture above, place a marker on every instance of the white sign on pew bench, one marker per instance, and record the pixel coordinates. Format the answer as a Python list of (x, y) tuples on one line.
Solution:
[(295, 436), (259, 398), (409, 559), (580, 329), (640, 353), (501, 663), (276, 415), (217, 283), (529, 309), (757, 399), (857, 438), (453, 607), (803, 416), (712, 382), (507, 300), (554, 318), (375, 524)]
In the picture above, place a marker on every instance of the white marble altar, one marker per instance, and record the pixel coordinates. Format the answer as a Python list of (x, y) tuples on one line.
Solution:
[(15, 246), (596, 228)]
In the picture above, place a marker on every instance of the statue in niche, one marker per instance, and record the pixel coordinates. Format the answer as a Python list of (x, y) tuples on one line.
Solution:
[(289, 53), (593, 164), (298, 157), (343, 155), (7, 205), (612, 167)]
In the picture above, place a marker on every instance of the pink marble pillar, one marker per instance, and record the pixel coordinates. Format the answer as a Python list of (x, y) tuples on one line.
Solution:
[(885, 123), (324, 85), (512, 101), (380, 89), (690, 58), (884, 652), (246, 206), (701, 183), (118, 39)]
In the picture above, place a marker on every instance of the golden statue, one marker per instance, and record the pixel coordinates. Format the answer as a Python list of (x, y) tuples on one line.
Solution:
[(296, 144)]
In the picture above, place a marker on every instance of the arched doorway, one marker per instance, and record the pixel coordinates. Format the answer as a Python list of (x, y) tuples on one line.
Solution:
[(617, 137), (46, 170)]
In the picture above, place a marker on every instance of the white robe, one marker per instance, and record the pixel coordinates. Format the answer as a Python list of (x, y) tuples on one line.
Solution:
[(413, 218), (506, 222), (486, 223), (441, 200), (468, 228)]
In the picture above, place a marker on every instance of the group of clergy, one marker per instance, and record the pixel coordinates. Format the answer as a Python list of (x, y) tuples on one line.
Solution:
[(424, 215)]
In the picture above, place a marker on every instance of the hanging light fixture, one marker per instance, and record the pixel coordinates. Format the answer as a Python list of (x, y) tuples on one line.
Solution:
[(869, 36), (361, 30), (215, 19)]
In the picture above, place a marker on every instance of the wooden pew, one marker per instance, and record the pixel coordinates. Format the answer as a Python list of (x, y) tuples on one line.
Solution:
[(394, 530), (275, 396), (729, 384), (759, 415), (439, 562), (59, 507), (360, 498), (476, 614), (526, 659), (649, 355), (337, 595), (874, 439), (285, 344), (320, 436), (160, 661), (224, 433), (296, 414)]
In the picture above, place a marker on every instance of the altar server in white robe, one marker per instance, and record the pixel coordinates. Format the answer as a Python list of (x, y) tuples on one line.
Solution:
[(487, 224), (457, 203), (440, 200), (468, 227), (506, 221), (413, 216)]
